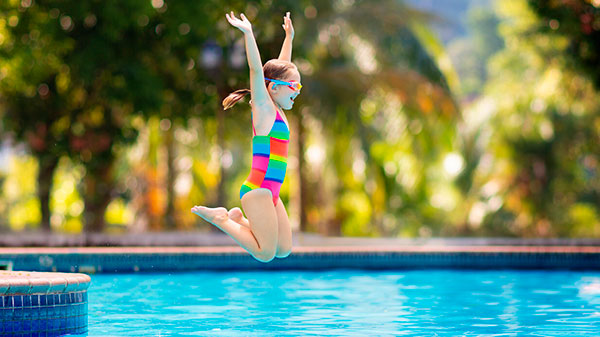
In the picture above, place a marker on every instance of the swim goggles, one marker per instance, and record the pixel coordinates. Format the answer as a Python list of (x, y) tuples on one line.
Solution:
[(292, 84)]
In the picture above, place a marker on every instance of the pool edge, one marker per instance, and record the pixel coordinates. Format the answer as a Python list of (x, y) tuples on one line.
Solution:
[(166, 259)]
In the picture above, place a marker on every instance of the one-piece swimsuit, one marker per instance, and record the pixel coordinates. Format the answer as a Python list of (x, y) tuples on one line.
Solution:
[(269, 159)]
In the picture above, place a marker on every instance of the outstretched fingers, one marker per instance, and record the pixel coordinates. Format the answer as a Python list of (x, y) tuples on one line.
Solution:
[(243, 24), (233, 19)]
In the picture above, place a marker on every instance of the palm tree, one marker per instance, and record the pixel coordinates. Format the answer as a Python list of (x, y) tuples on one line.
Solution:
[(353, 52)]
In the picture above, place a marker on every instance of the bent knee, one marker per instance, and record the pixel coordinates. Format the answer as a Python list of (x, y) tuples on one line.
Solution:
[(266, 255), (283, 252), (281, 255)]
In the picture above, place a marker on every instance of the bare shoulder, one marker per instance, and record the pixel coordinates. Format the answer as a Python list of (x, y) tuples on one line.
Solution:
[(263, 117)]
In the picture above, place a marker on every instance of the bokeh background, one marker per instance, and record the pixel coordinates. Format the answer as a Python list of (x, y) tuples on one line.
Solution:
[(417, 118)]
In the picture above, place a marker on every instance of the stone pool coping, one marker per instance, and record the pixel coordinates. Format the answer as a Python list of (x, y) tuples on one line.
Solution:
[(33, 283), (304, 249), (210, 239), (43, 304)]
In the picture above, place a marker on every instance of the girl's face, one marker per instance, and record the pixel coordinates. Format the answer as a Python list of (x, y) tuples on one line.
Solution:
[(284, 95)]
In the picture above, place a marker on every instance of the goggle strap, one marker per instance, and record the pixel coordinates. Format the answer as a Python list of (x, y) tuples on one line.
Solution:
[(293, 85)]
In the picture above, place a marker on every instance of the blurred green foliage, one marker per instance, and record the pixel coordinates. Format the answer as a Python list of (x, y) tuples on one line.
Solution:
[(118, 104), (75, 73), (472, 52), (579, 22), (537, 135)]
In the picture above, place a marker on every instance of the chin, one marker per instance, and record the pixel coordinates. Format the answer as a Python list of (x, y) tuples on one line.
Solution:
[(287, 107), (286, 104)]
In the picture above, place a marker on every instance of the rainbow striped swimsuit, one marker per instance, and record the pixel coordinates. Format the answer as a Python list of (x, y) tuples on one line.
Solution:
[(269, 159)]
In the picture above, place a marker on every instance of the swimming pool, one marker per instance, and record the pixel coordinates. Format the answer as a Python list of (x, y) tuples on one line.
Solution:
[(346, 302)]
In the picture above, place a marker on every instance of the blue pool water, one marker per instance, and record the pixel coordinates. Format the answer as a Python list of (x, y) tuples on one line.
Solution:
[(346, 302)]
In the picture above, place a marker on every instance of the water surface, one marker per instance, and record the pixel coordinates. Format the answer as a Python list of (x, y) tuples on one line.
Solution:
[(346, 303)]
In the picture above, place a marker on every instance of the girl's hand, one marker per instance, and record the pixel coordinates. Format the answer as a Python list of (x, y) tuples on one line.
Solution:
[(287, 25), (244, 25)]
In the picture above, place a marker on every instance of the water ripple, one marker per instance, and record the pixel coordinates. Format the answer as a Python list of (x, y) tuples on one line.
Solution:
[(346, 303)]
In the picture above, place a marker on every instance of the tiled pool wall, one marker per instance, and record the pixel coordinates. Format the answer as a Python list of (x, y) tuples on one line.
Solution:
[(42, 304), (167, 259)]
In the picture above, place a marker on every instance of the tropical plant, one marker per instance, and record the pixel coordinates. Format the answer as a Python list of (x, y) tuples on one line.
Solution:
[(539, 130)]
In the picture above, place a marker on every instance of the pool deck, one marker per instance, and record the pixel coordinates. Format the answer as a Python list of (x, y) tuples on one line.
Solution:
[(306, 249), (219, 243), (301, 240), (156, 252)]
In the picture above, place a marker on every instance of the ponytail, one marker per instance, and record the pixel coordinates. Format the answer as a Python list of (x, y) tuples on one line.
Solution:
[(234, 97)]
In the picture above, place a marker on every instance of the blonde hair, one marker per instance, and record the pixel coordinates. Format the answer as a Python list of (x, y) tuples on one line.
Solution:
[(274, 69)]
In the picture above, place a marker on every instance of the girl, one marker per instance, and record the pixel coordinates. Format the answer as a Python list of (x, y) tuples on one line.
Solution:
[(266, 233)]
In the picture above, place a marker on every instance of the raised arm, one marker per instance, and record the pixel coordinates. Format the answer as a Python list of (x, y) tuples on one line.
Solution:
[(286, 50), (258, 90)]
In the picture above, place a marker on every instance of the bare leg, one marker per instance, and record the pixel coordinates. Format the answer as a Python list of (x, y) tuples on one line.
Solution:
[(284, 240), (220, 218), (260, 237)]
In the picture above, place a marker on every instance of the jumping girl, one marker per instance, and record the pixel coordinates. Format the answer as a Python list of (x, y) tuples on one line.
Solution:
[(266, 233)]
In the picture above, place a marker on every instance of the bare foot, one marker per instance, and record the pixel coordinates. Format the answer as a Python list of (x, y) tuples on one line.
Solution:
[(215, 216), (236, 215)]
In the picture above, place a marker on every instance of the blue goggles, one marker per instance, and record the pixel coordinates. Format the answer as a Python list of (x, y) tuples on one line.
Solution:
[(292, 84)]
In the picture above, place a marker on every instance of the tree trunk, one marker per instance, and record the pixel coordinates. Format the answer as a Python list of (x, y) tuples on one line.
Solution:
[(221, 144), (170, 212), (98, 187), (223, 92), (302, 176), (47, 166)]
